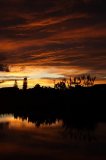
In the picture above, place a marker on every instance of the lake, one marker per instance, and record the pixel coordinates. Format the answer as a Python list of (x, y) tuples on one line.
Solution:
[(23, 138)]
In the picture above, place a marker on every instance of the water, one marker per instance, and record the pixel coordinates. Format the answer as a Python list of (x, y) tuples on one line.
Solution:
[(51, 140)]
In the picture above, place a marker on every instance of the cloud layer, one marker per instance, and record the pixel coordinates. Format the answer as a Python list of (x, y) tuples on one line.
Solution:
[(61, 34)]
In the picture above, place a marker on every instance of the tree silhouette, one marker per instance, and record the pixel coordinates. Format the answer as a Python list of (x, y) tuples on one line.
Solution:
[(37, 86), (25, 83), (82, 80), (61, 85), (88, 80), (15, 84)]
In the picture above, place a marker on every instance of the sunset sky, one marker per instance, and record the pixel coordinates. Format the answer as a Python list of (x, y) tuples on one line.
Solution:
[(52, 39)]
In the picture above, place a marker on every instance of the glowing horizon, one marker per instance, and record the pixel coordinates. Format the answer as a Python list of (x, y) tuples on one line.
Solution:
[(44, 77)]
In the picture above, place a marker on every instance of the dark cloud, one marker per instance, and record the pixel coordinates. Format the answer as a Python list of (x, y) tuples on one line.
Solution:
[(68, 33), (4, 68)]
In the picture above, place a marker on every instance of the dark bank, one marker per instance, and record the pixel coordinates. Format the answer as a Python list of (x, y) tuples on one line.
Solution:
[(49, 123)]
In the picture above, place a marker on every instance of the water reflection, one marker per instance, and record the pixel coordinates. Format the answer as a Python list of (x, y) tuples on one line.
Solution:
[(74, 130), (31, 137), (21, 123), (15, 123)]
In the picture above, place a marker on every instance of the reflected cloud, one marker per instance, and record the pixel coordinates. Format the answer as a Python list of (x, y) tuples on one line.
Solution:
[(11, 122), (22, 139)]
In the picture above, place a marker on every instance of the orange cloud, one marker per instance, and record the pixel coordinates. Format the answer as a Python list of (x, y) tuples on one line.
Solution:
[(66, 37)]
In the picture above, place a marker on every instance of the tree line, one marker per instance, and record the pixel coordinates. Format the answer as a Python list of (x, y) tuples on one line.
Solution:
[(83, 80)]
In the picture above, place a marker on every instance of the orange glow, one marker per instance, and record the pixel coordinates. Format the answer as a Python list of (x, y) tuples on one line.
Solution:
[(44, 76), (19, 123), (63, 40)]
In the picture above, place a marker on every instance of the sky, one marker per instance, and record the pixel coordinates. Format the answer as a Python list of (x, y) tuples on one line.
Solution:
[(47, 40)]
